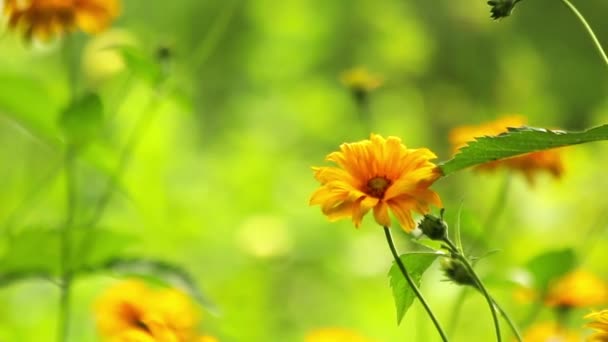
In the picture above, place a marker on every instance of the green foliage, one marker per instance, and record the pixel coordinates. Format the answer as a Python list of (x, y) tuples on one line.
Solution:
[(518, 141), (416, 264), (82, 120), (551, 265), (34, 253), (27, 101)]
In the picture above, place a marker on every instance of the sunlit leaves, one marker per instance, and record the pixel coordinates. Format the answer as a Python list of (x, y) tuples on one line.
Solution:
[(416, 264), (549, 266), (518, 141)]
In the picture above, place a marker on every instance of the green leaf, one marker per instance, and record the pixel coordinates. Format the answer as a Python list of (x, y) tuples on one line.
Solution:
[(416, 264), (141, 65), (551, 265), (82, 120), (36, 252), (30, 253), (165, 272), (30, 103), (93, 248), (515, 142)]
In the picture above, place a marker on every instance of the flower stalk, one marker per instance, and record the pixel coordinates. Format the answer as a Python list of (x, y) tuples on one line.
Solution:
[(588, 28), (65, 250), (412, 285), (478, 284)]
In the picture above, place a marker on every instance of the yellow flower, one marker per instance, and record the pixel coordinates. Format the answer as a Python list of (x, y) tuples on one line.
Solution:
[(549, 332), (334, 335), (377, 174), (44, 19), (599, 325), (529, 164), (131, 312), (206, 339), (360, 80), (577, 289)]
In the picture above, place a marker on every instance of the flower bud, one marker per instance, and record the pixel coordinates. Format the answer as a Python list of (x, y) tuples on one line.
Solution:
[(457, 272), (502, 8), (434, 227)]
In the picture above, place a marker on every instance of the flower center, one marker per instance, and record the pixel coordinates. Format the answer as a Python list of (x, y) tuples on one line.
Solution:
[(377, 186)]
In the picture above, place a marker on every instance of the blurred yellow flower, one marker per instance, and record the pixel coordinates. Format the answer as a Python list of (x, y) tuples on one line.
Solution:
[(360, 80), (577, 289), (206, 339), (599, 325), (334, 335), (549, 332), (44, 19), (132, 312), (378, 174), (529, 164)]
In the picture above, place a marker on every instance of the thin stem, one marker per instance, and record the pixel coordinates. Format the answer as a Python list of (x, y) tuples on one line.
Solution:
[(65, 247), (479, 284), (509, 321), (497, 209), (214, 34), (412, 285), (580, 17)]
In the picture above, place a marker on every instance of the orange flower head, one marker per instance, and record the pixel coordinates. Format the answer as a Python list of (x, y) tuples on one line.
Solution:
[(132, 312), (378, 174), (577, 289), (334, 335), (549, 332), (529, 164), (599, 325), (45, 19)]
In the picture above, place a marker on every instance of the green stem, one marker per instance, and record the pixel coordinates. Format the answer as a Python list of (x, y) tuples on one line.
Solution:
[(479, 284), (580, 17), (509, 321), (412, 285), (214, 34), (489, 228), (65, 247)]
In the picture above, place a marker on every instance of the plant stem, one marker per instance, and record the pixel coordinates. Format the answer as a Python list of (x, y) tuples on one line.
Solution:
[(65, 247), (479, 284), (490, 224), (412, 285), (580, 17), (510, 322)]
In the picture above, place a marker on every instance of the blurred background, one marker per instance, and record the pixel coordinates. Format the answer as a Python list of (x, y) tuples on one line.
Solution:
[(219, 178)]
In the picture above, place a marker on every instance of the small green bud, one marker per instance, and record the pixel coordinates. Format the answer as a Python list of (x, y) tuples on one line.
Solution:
[(456, 271), (502, 8), (434, 227)]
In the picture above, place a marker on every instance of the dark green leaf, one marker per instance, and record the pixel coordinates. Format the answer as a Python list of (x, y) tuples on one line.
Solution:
[(518, 141), (549, 266), (166, 272), (82, 120), (416, 264)]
